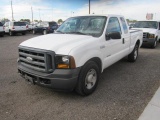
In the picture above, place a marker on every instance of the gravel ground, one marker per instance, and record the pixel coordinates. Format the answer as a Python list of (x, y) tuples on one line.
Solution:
[(123, 92)]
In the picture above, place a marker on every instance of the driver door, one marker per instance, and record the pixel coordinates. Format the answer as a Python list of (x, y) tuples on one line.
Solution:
[(112, 51)]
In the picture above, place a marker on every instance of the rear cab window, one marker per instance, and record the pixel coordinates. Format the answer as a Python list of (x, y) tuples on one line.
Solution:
[(19, 24), (124, 25)]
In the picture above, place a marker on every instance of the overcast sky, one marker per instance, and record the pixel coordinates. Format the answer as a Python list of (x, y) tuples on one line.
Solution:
[(47, 10)]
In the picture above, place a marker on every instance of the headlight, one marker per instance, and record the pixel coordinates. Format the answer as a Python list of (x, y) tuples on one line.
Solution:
[(64, 62), (151, 36)]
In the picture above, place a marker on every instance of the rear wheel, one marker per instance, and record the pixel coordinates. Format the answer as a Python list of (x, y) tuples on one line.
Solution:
[(10, 33), (34, 32), (132, 57), (88, 79), (23, 33), (2, 35), (44, 32)]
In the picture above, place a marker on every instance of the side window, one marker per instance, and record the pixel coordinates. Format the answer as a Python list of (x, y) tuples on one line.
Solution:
[(124, 25), (113, 25), (6, 24)]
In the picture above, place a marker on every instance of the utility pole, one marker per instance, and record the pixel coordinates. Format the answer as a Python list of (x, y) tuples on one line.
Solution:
[(12, 11), (32, 13), (89, 5), (39, 14)]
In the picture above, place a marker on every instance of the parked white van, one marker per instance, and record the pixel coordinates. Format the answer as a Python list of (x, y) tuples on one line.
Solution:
[(15, 27)]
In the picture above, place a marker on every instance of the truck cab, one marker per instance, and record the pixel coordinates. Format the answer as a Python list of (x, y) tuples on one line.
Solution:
[(151, 32)]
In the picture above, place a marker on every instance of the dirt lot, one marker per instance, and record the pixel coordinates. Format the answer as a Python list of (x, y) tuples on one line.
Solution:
[(122, 94)]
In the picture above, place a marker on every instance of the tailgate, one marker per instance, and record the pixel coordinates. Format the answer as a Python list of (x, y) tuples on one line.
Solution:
[(19, 26)]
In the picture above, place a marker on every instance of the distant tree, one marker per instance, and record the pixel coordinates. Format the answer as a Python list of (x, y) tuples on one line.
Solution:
[(35, 20), (3, 20), (131, 21), (40, 20), (25, 20), (60, 21)]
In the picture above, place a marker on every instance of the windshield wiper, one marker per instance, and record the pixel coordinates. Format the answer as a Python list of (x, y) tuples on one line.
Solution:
[(80, 33), (60, 32)]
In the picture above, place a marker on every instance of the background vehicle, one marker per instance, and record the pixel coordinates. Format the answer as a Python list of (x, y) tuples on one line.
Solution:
[(151, 32), (45, 27), (1, 30), (29, 26), (15, 27), (81, 48)]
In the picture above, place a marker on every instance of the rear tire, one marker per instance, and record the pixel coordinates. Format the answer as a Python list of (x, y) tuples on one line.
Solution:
[(34, 32), (88, 79), (24, 33), (2, 35), (132, 57)]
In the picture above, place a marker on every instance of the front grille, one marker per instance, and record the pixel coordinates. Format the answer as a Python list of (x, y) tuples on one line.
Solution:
[(35, 59), (145, 35)]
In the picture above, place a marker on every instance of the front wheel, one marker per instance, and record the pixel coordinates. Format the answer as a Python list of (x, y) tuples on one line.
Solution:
[(132, 57), (44, 32), (154, 44), (88, 79)]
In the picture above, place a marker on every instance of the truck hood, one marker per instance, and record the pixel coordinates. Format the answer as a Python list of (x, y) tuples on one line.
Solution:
[(148, 30), (59, 43)]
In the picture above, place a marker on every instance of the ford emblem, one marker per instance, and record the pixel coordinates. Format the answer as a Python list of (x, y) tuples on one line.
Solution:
[(29, 59)]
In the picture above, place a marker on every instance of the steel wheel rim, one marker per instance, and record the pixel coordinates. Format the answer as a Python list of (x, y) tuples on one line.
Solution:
[(136, 53), (44, 32), (155, 43), (91, 79)]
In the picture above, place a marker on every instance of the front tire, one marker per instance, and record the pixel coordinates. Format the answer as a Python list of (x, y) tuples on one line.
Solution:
[(88, 79), (44, 32), (132, 57), (154, 44)]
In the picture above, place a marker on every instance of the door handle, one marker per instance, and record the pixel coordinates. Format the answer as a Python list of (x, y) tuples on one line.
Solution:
[(123, 40)]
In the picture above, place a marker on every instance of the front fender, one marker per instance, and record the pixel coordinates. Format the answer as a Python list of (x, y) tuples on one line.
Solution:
[(81, 59)]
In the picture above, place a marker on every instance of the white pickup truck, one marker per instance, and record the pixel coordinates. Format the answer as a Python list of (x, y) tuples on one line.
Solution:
[(151, 32), (74, 56)]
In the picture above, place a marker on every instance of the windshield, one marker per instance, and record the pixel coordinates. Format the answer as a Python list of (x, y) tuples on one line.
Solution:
[(146, 24), (19, 24), (85, 25)]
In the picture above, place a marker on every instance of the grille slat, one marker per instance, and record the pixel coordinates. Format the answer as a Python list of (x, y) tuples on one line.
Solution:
[(32, 67), (145, 35), (39, 60), (30, 55), (32, 62)]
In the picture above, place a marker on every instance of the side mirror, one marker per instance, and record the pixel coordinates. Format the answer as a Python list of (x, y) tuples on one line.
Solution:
[(113, 35)]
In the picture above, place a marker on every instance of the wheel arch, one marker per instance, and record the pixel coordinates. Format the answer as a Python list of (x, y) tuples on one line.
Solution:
[(97, 60), (138, 42)]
